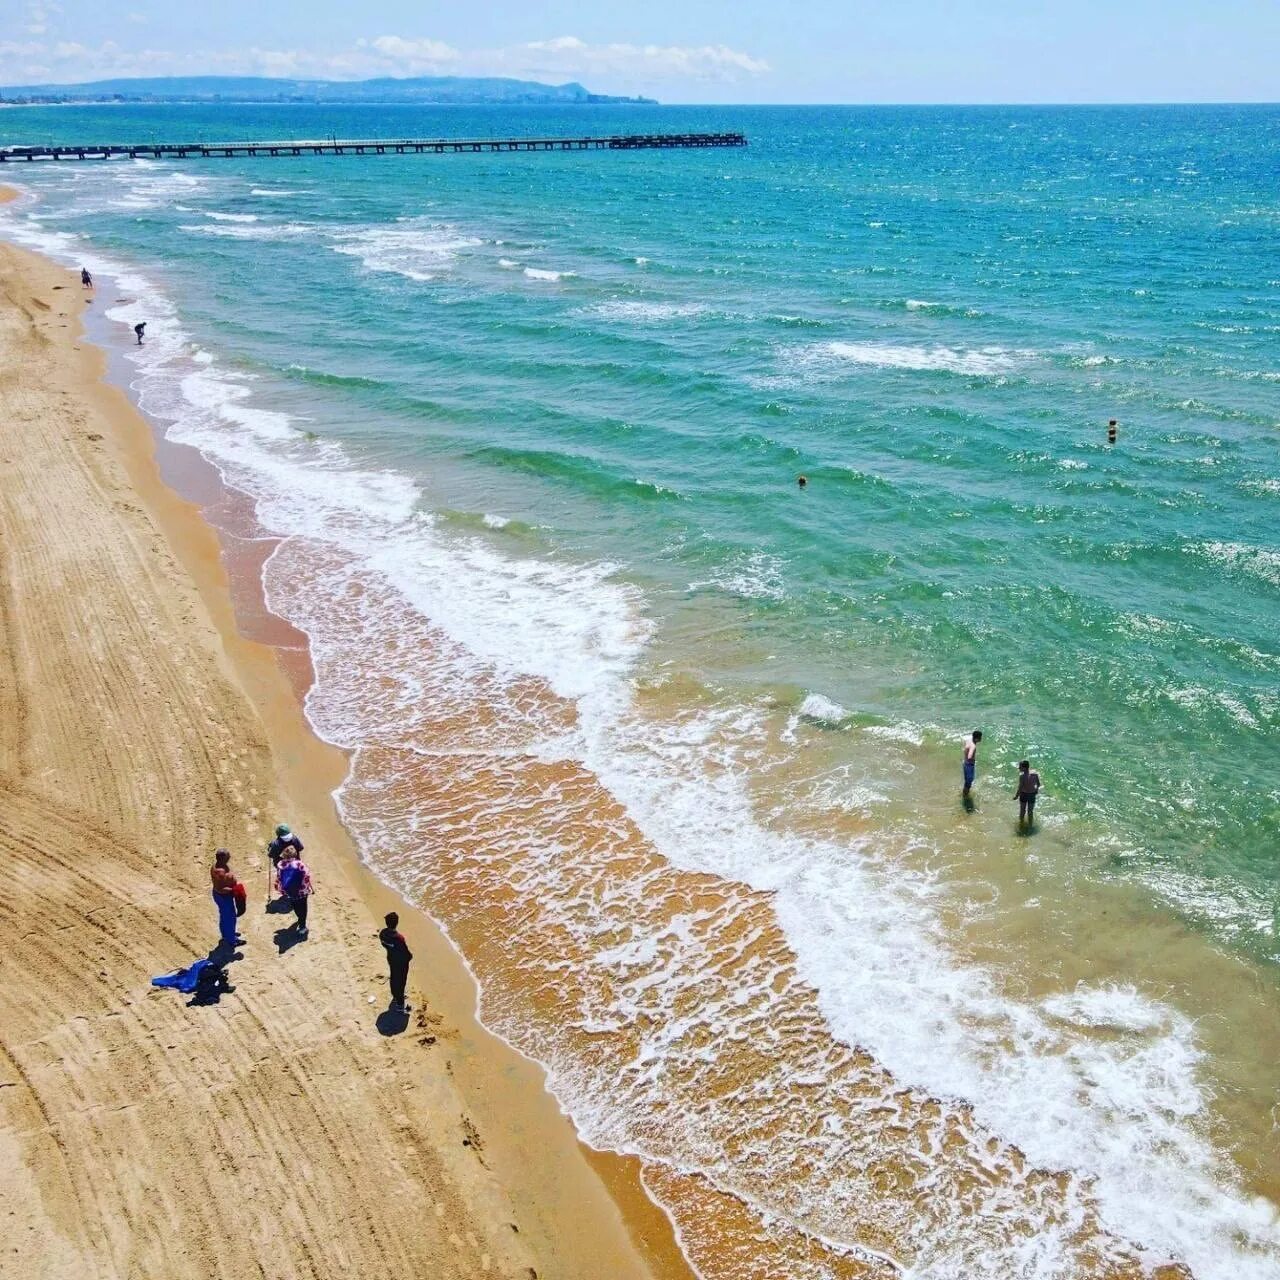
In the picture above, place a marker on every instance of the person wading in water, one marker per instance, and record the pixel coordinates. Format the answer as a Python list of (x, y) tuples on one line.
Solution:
[(970, 761), (1027, 789)]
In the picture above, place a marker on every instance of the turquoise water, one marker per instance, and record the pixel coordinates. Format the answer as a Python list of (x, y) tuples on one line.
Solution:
[(595, 379)]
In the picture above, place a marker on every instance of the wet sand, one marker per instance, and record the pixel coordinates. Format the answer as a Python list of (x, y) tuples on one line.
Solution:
[(276, 1132)]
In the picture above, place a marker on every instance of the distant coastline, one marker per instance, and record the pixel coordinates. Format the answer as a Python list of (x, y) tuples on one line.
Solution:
[(427, 90)]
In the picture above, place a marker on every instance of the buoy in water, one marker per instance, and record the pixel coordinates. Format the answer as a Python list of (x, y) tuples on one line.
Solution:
[(1111, 431)]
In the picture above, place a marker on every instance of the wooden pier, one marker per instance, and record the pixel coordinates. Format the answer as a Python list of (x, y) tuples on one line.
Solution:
[(369, 147)]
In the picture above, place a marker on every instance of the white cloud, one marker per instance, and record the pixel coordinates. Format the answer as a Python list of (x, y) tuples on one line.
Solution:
[(606, 66), (411, 54), (38, 14), (688, 62)]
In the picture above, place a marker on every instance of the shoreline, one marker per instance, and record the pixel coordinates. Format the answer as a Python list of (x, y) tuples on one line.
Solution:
[(583, 1213)]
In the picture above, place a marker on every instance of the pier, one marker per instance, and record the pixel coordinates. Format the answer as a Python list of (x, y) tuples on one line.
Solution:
[(369, 147)]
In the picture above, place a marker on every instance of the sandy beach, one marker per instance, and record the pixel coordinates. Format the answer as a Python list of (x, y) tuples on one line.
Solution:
[(279, 1132)]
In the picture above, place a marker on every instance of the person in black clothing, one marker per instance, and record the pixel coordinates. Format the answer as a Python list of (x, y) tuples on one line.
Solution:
[(398, 957), (285, 839), (138, 328), (85, 278)]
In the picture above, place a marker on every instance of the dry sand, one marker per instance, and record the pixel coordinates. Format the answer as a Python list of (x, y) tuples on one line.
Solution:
[(277, 1133)]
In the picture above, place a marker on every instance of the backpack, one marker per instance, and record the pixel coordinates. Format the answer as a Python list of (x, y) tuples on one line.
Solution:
[(292, 875)]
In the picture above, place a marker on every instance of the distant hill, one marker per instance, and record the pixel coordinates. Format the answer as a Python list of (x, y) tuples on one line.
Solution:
[(425, 89)]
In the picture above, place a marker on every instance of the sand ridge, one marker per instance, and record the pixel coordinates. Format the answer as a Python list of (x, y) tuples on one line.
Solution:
[(275, 1133)]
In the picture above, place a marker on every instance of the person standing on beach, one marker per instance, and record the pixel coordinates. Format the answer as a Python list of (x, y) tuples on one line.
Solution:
[(1027, 789), (970, 761), (285, 839), (295, 884), (224, 898), (398, 957), (85, 278), (138, 328)]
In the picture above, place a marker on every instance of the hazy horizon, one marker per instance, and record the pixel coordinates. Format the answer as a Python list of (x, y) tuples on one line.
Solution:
[(917, 52)]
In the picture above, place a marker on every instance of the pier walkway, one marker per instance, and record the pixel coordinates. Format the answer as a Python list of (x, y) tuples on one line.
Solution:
[(368, 147)]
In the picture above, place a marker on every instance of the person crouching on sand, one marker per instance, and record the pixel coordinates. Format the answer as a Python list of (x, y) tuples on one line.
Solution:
[(224, 898), (295, 884), (398, 957), (1027, 789)]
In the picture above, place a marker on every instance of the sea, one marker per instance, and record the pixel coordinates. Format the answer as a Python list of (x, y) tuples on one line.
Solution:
[(668, 743)]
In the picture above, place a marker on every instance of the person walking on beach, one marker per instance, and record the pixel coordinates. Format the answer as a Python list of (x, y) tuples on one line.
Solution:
[(85, 278), (1027, 789), (138, 328), (295, 884), (970, 761), (398, 957), (284, 839), (224, 898)]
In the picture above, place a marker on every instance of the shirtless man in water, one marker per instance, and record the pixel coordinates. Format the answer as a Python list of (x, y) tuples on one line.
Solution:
[(970, 761)]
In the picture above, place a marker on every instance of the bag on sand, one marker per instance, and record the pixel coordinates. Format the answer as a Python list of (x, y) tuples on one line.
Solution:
[(241, 897)]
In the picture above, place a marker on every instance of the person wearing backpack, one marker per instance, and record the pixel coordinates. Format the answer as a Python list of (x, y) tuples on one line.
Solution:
[(295, 884)]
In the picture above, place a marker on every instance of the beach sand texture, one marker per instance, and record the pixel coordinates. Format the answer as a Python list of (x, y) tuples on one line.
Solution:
[(275, 1133)]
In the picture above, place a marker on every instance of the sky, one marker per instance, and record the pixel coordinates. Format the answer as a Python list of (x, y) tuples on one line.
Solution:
[(739, 51)]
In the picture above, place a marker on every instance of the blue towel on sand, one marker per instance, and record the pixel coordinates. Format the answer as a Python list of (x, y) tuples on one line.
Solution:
[(183, 980)]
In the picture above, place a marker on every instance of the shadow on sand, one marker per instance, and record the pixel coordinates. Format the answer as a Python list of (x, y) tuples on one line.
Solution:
[(392, 1022), (287, 938)]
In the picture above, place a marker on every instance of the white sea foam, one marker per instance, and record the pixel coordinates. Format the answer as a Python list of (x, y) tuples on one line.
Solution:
[(1259, 562), (754, 576), (508, 264), (984, 362), (822, 709), (911, 734), (635, 311), (274, 191), (541, 273), (417, 248), (256, 231), (1124, 1110), (218, 216)]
